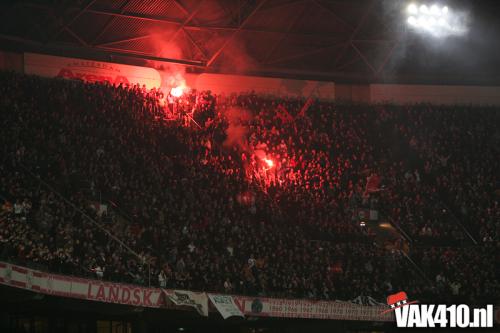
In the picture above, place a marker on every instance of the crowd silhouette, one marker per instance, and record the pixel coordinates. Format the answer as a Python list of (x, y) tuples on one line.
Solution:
[(248, 193)]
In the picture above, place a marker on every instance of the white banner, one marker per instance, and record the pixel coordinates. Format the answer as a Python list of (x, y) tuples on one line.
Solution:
[(226, 306), (302, 308), (90, 70), (92, 290), (199, 301), (95, 290)]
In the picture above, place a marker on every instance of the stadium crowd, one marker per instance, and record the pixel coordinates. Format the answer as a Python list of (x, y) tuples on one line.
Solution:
[(248, 194)]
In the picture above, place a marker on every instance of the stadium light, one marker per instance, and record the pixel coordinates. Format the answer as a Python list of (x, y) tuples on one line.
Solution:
[(412, 9), (435, 10), (412, 20), (435, 20)]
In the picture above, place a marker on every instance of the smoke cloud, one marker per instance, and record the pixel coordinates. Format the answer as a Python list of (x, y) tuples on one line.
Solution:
[(165, 46), (236, 133)]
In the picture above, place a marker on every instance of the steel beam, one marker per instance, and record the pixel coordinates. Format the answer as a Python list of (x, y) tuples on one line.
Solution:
[(335, 16), (367, 11), (38, 46), (108, 24), (305, 53), (387, 57), (190, 38), (363, 58), (67, 24), (186, 21), (78, 38), (230, 38), (285, 35)]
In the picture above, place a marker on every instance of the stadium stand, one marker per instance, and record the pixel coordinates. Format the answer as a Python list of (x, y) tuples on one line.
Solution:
[(248, 194)]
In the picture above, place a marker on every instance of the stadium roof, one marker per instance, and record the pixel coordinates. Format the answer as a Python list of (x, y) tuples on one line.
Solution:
[(345, 41)]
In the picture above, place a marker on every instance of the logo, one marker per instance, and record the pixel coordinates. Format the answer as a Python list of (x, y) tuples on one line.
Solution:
[(92, 71), (397, 301), (185, 299), (409, 314)]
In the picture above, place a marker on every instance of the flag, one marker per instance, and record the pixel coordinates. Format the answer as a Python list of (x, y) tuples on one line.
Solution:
[(199, 301), (305, 107), (283, 114), (372, 184), (226, 306)]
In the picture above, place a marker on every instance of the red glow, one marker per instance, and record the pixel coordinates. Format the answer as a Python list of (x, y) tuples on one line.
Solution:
[(269, 162), (176, 91)]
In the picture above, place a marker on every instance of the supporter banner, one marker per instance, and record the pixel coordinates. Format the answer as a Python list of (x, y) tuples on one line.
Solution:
[(225, 305), (297, 308), (90, 70), (92, 290), (95, 290), (199, 301)]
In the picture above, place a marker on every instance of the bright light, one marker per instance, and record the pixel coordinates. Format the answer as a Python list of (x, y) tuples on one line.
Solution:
[(269, 162), (435, 20), (176, 91), (412, 9), (422, 21), (435, 10)]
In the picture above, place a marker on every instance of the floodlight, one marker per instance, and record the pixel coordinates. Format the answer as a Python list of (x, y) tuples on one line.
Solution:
[(412, 20), (436, 20), (422, 21), (412, 8), (435, 10)]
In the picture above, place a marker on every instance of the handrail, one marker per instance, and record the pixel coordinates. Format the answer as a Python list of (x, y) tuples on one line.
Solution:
[(400, 229), (464, 229), (419, 270), (85, 215)]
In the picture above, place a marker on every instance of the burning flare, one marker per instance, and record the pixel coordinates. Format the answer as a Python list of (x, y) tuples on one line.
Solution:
[(177, 91), (269, 162)]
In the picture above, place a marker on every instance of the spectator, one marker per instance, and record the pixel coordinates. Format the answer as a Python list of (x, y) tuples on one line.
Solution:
[(272, 213)]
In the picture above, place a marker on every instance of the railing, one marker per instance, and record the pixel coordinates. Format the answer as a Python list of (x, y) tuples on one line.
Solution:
[(89, 219), (138, 296), (457, 221)]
